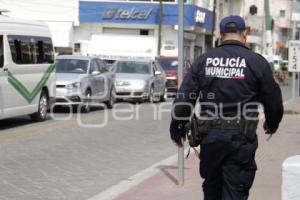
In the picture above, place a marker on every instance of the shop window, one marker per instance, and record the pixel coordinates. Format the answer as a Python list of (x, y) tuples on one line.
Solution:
[(144, 32)]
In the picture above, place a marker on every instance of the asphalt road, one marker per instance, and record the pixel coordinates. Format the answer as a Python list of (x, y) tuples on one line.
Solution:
[(68, 157)]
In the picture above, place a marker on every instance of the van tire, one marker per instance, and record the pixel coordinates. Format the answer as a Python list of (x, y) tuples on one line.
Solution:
[(41, 114)]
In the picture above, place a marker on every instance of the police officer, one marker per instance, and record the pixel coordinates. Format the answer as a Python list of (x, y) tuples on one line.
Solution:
[(229, 81)]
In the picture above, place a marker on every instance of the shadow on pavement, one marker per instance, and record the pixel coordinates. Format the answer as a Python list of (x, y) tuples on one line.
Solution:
[(165, 169), (16, 122), (66, 109)]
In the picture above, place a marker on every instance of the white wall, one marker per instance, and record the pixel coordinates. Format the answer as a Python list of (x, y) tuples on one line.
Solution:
[(275, 7), (169, 41), (62, 33), (236, 7), (60, 15), (86, 32), (44, 10)]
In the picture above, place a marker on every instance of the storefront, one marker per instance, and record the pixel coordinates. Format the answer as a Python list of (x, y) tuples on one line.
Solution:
[(126, 29)]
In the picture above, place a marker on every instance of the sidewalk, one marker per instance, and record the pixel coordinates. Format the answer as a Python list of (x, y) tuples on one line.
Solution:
[(270, 156)]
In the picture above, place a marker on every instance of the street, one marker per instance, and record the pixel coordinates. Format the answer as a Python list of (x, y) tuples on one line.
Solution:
[(66, 159), (62, 160)]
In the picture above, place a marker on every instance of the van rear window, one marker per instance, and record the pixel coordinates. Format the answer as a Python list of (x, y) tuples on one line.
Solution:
[(31, 49)]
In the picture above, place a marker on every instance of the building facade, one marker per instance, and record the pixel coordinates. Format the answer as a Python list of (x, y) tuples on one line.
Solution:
[(113, 29), (280, 12), (126, 28)]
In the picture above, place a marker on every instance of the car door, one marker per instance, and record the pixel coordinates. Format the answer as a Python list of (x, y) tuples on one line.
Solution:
[(95, 78), (159, 78), (162, 77), (106, 81)]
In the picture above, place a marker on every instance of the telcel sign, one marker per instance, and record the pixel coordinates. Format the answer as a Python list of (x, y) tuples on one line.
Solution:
[(118, 13)]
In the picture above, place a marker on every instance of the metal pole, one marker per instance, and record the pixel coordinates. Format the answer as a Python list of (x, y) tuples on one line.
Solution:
[(160, 18), (268, 27), (214, 24), (294, 91), (298, 93), (180, 77), (294, 73)]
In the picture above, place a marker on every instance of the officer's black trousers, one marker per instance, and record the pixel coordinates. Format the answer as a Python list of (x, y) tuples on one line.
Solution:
[(228, 168)]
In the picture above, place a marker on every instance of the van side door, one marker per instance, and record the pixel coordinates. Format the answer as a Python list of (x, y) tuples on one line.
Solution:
[(28, 70), (15, 80)]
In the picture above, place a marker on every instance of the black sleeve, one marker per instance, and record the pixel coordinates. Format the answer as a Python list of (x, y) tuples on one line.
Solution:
[(187, 94), (271, 98)]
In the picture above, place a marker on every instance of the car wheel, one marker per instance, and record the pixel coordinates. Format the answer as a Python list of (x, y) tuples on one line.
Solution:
[(164, 96), (41, 114), (86, 108), (112, 99)]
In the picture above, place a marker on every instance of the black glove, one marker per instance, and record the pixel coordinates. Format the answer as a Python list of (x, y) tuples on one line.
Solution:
[(177, 132), (267, 130)]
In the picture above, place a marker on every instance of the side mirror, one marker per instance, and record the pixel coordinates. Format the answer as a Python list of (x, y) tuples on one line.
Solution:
[(157, 73)]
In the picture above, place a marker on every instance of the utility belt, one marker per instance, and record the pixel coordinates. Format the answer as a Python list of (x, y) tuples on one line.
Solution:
[(223, 124), (199, 128)]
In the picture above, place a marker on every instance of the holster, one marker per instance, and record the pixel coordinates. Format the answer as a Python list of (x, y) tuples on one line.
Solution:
[(250, 127), (197, 130)]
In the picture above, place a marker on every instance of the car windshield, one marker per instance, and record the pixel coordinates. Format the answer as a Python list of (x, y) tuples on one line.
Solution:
[(132, 67), (168, 64), (75, 66)]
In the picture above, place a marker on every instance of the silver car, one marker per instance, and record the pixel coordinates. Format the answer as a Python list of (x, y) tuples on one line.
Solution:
[(140, 80), (82, 80)]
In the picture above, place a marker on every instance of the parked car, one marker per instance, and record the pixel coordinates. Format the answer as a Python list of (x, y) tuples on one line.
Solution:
[(170, 66), (140, 79), (82, 80)]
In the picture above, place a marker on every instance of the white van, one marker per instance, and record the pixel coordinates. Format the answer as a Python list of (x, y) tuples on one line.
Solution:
[(27, 75)]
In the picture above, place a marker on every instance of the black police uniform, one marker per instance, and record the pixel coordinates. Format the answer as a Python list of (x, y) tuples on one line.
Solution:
[(229, 76)]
